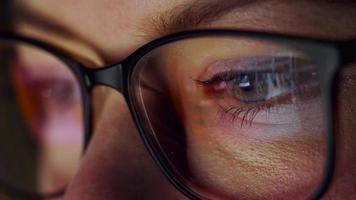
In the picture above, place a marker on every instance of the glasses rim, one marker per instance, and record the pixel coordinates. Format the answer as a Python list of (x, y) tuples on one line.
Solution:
[(118, 76)]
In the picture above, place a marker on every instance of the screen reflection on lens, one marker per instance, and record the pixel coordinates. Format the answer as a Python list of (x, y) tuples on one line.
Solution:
[(235, 117)]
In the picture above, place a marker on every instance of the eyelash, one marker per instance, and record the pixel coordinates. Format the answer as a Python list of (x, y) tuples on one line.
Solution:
[(247, 114), (235, 112)]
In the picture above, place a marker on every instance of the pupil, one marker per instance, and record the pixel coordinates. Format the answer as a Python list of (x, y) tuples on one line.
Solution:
[(246, 82), (250, 87)]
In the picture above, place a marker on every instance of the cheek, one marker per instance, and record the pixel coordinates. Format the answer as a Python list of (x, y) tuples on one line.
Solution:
[(241, 166)]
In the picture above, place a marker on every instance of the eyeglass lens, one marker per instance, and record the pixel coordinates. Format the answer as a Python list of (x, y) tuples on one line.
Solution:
[(235, 117)]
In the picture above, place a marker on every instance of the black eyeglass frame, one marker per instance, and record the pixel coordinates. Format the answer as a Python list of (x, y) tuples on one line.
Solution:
[(330, 56)]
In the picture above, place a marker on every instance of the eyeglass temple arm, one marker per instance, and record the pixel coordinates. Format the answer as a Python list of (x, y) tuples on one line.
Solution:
[(348, 52)]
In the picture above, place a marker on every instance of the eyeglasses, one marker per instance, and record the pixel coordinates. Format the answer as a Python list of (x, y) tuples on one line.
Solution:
[(225, 114)]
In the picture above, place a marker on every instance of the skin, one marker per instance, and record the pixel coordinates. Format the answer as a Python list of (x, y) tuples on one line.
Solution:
[(107, 173)]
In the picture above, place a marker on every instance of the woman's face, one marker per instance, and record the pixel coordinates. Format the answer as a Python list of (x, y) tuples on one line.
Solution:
[(265, 148)]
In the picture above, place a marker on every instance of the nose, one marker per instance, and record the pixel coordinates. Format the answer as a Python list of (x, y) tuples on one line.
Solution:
[(116, 164)]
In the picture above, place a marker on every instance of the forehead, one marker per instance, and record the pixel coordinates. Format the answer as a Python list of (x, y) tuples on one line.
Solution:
[(116, 27)]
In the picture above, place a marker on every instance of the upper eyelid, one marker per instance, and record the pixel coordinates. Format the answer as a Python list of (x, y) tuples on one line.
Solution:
[(248, 64)]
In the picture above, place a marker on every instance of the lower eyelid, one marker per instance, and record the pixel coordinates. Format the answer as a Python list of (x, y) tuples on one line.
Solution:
[(245, 114)]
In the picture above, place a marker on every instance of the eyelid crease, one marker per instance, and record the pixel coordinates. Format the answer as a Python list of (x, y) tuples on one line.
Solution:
[(217, 71)]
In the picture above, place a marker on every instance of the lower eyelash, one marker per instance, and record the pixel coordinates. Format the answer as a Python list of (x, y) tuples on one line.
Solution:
[(246, 115), (237, 112)]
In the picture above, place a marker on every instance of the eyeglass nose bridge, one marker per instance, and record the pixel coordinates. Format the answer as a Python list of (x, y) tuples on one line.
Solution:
[(111, 76)]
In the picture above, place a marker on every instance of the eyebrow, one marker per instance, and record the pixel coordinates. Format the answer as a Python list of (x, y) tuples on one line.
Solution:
[(191, 15), (188, 15)]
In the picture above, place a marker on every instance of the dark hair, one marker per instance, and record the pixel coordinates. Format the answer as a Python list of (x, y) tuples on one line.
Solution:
[(5, 14)]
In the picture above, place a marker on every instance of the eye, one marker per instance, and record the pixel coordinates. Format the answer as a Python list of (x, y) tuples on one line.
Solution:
[(57, 92), (50, 90), (262, 86), (258, 86)]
